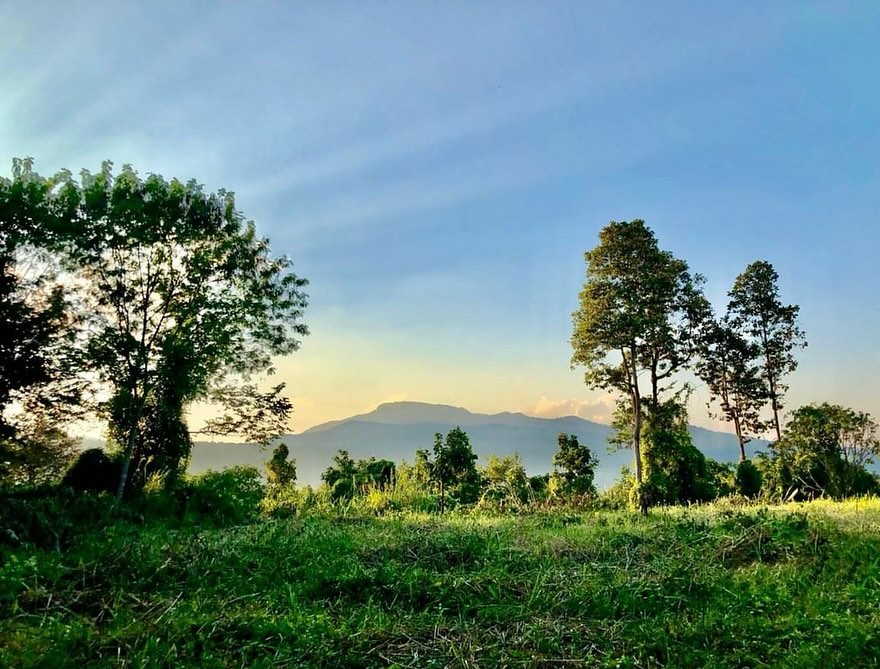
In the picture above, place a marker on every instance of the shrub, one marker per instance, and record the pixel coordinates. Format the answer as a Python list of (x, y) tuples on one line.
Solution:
[(48, 518), (747, 479), (621, 495), (342, 490), (231, 496), (94, 470)]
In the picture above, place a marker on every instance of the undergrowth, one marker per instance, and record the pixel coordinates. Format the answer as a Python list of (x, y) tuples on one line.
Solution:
[(712, 586)]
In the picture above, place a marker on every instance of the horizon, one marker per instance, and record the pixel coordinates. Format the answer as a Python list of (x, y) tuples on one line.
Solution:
[(437, 172)]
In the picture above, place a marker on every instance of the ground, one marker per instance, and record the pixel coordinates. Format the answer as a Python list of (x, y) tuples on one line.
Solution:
[(714, 586)]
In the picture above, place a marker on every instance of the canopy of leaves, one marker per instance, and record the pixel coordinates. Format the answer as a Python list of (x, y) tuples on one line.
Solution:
[(455, 465), (729, 364), (36, 356), (363, 474), (756, 310), (825, 451), (575, 465), (177, 290), (280, 469), (639, 302)]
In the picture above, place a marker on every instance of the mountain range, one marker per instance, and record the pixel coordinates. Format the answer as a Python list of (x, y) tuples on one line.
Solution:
[(395, 430)]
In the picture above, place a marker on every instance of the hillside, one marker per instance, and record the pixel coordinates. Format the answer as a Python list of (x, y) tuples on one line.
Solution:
[(396, 430), (715, 586)]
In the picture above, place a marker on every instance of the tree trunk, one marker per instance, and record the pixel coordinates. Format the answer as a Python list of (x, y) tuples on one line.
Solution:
[(126, 463), (637, 445), (775, 405), (739, 438), (129, 450), (442, 497)]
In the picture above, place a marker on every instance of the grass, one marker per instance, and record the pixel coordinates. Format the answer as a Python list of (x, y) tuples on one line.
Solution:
[(711, 586)]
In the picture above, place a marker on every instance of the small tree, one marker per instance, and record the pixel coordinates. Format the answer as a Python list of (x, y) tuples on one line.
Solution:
[(676, 471), (756, 309), (455, 467), (281, 469), (575, 465), (506, 477), (378, 473), (423, 468), (343, 468)]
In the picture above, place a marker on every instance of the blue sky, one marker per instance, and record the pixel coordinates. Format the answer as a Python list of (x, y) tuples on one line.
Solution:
[(438, 169)]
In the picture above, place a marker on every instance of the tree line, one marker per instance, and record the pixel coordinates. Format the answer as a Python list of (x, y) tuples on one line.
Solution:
[(129, 298), (643, 320)]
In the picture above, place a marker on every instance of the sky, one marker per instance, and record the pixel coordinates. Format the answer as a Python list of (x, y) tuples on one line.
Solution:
[(437, 169)]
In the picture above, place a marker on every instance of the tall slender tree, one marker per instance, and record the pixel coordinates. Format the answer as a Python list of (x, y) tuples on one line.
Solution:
[(756, 309), (729, 365), (640, 312)]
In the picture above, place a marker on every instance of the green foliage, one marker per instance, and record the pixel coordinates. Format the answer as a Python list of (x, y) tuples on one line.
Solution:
[(375, 473), (280, 469), (360, 476), (38, 454), (676, 471), (506, 483), (729, 365), (343, 468), (575, 465), (748, 479), (94, 470), (177, 294), (455, 466), (423, 468), (824, 451), (771, 326), (342, 489), (702, 587), (37, 352), (621, 494), (227, 497), (641, 308)]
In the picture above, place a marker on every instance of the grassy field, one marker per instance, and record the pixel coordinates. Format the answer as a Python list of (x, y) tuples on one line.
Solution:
[(712, 586)]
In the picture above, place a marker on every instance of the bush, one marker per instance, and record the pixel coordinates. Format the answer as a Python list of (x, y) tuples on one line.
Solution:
[(621, 495), (342, 490), (49, 518), (747, 479), (94, 470), (227, 497)]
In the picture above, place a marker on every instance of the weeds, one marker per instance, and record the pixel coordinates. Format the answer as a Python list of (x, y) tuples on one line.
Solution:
[(726, 586)]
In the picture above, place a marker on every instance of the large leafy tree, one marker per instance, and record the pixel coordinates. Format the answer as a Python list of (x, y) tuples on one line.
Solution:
[(729, 366), (36, 351), (825, 451), (180, 292), (639, 315), (756, 310)]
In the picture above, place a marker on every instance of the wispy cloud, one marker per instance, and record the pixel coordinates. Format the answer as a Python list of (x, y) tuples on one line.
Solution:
[(599, 411)]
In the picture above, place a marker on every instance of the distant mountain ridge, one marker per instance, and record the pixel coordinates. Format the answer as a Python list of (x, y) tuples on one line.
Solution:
[(395, 430)]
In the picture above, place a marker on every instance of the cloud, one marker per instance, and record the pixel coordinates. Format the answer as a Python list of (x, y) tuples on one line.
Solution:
[(599, 410)]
